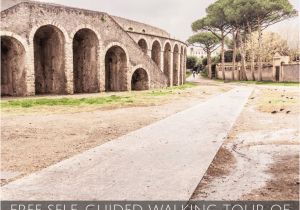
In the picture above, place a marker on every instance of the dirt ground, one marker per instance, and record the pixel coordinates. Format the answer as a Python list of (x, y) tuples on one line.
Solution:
[(258, 161), (41, 137), (260, 158)]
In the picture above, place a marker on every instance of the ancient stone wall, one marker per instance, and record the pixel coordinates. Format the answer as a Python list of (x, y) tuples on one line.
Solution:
[(71, 50), (134, 26), (290, 72), (170, 65), (286, 73)]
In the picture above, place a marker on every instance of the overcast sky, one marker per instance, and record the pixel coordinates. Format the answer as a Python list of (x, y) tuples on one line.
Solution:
[(175, 16)]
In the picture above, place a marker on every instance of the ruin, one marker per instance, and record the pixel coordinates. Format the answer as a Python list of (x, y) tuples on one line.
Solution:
[(85, 61), (49, 69), (54, 49), (12, 67), (115, 69), (140, 80)]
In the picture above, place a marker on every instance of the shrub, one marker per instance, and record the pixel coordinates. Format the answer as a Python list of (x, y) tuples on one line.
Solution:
[(191, 62)]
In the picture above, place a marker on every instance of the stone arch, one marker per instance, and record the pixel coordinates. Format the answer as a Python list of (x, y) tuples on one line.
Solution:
[(176, 64), (167, 61), (17, 37), (143, 45), (86, 26), (116, 67), (140, 79), (156, 52), (13, 67), (85, 61), (45, 23), (49, 60)]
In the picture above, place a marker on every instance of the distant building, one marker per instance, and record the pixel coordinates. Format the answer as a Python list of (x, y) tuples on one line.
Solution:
[(280, 58), (196, 51), (199, 52)]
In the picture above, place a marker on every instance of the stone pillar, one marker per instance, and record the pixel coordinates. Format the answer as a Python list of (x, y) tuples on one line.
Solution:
[(128, 78), (179, 67), (69, 66), (171, 69), (101, 70), (161, 60), (149, 52), (184, 68), (30, 76)]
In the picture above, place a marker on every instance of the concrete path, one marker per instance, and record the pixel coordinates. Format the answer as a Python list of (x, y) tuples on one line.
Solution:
[(163, 161)]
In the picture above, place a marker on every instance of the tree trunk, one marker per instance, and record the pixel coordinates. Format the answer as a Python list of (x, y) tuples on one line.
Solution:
[(251, 53), (209, 64), (259, 50), (233, 54), (243, 75), (223, 54)]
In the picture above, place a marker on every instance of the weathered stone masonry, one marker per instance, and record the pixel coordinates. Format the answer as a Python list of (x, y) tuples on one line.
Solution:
[(53, 49)]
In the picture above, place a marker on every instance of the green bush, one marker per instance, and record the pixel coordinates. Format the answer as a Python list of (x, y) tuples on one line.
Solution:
[(214, 60), (229, 55), (191, 62), (204, 72)]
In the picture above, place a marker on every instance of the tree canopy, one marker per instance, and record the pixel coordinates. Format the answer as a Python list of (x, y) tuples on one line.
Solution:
[(206, 40), (241, 18), (215, 20)]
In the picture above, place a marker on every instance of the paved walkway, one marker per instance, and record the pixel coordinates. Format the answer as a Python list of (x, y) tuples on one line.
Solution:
[(163, 161)]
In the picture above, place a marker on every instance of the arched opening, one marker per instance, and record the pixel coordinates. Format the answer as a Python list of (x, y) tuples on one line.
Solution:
[(167, 62), (115, 69), (85, 61), (155, 53), (140, 80), (175, 65), (13, 70), (181, 67), (49, 61), (143, 45)]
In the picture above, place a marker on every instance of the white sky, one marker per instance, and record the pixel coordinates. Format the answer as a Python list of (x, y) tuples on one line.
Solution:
[(174, 16)]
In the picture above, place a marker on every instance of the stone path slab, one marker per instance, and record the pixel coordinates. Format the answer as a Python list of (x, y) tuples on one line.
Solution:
[(163, 161), (9, 174)]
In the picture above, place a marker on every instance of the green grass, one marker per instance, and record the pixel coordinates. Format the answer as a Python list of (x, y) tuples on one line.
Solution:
[(185, 86), (264, 83), (128, 98), (171, 90), (26, 103)]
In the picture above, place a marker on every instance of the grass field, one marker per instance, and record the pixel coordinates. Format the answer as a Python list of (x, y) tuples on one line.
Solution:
[(119, 99)]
